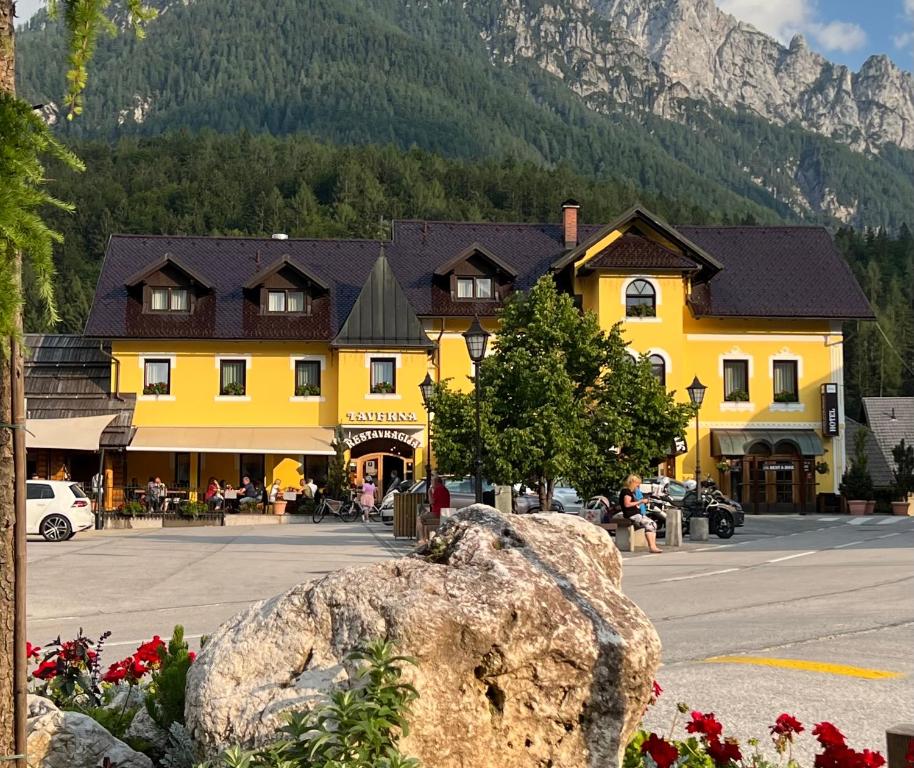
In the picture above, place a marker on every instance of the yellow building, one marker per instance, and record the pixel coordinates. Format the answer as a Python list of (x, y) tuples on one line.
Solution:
[(245, 354)]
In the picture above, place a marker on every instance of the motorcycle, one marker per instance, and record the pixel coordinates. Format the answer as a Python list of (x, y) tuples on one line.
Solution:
[(709, 503)]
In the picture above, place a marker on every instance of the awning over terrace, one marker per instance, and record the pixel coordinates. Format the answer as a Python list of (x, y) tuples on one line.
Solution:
[(737, 442), (78, 434), (312, 441)]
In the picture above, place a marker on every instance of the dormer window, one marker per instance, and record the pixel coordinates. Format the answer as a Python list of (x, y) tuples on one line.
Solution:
[(169, 300), (476, 274), (285, 288), (289, 302), (477, 288)]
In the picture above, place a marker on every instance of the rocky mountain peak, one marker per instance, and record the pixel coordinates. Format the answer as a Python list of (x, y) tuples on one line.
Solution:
[(691, 48)]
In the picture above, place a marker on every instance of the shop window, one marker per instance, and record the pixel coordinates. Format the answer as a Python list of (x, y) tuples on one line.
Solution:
[(786, 389), (288, 302), (169, 300), (480, 288), (736, 381), (383, 375), (640, 299), (307, 378), (658, 368), (232, 378), (156, 377)]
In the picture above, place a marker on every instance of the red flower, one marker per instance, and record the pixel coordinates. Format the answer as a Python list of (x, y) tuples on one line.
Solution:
[(828, 735), (869, 759), (192, 656), (724, 752), (661, 751), (909, 755), (46, 670), (786, 725), (32, 651), (116, 672), (149, 652), (706, 725), (656, 690)]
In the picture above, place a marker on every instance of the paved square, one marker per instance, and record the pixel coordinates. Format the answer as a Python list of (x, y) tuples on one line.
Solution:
[(818, 610)]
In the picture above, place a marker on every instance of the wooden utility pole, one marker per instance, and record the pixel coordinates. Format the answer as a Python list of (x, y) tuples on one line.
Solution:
[(13, 672)]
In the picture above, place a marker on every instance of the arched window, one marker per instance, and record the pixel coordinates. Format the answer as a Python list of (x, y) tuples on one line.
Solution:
[(640, 299), (658, 368)]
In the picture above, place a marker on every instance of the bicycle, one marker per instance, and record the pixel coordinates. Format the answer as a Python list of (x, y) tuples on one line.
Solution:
[(370, 512), (346, 511)]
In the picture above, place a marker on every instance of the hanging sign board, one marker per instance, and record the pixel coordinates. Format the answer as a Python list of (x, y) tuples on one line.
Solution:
[(357, 437), (830, 410)]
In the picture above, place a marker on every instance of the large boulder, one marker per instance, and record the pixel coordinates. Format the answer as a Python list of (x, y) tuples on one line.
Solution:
[(528, 653), (60, 739)]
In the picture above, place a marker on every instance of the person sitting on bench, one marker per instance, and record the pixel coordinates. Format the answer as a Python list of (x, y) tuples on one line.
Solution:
[(632, 510)]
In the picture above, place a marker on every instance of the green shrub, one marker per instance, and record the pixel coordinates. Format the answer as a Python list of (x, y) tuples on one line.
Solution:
[(904, 469), (785, 397), (857, 483), (307, 390), (165, 694), (193, 509), (357, 728), (133, 508)]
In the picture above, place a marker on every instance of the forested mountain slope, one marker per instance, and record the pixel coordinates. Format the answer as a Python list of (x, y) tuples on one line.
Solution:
[(436, 75)]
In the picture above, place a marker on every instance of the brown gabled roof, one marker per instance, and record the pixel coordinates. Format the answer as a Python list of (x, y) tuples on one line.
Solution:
[(280, 263), (167, 259), (787, 272), (449, 265), (633, 251), (633, 214)]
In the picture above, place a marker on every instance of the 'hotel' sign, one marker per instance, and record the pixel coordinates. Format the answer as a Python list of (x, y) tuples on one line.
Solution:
[(830, 410)]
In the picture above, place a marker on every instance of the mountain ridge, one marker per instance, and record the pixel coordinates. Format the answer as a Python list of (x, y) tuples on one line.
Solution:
[(546, 82)]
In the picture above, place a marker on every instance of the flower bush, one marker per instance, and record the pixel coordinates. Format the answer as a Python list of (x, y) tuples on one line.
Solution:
[(706, 746)]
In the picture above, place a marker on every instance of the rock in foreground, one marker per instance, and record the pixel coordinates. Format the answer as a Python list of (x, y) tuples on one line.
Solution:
[(59, 739), (529, 654)]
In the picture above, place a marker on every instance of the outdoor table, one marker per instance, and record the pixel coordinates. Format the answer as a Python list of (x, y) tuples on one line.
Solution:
[(231, 500)]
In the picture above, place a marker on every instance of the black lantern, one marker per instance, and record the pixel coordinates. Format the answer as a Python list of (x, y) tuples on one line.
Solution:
[(427, 387), (477, 338), (696, 392)]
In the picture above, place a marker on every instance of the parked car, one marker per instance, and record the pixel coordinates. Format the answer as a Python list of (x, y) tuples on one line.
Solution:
[(527, 501), (56, 509), (462, 490)]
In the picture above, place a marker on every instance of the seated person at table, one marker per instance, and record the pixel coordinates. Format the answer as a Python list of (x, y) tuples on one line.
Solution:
[(155, 494), (304, 489), (275, 492), (249, 494), (214, 496)]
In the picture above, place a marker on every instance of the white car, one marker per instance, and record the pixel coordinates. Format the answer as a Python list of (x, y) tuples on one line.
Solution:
[(56, 509)]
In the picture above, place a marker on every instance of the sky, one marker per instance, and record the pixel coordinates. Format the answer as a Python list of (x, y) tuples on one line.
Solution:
[(846, 31)]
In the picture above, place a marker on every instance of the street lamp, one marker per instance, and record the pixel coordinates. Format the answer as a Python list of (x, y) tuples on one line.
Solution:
[(696, 392), (476, 338), (426, 388)]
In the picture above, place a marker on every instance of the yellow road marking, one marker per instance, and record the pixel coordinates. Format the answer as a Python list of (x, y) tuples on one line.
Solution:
[(808, 666)]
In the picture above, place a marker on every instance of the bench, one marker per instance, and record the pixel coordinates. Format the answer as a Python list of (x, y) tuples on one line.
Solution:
[(628, 538)]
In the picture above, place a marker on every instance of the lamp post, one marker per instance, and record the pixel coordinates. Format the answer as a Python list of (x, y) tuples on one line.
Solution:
[(696, 392), (426, 388), (476, 338)]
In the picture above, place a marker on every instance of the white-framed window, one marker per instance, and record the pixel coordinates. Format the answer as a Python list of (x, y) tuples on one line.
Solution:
[(156, 376), (307, 378), (736, 380), (169, 300), (482, 288), (383, 372), (289, 302), (785, 375), (658, 368), (232, 377)]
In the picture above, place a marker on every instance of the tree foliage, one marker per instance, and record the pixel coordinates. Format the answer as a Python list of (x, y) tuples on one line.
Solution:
[(25, 143), (561, 399)]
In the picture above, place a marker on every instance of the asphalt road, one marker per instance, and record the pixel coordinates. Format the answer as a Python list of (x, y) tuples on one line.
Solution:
[(819, 611)]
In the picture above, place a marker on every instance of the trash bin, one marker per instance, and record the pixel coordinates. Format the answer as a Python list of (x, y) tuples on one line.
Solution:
[(406, 507)]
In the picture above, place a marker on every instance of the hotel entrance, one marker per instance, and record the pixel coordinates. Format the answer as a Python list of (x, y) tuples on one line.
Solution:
[(775, 471)]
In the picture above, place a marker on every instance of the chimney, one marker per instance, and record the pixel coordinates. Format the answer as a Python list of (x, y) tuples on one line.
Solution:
[(570, 222)]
